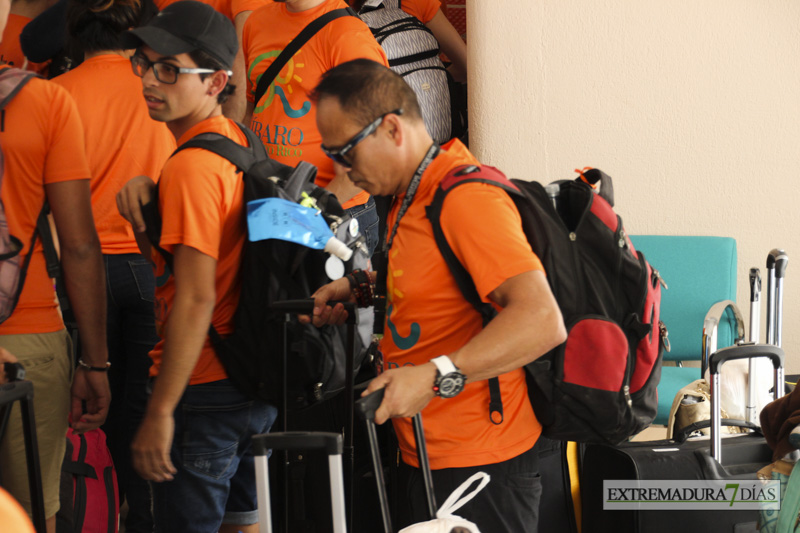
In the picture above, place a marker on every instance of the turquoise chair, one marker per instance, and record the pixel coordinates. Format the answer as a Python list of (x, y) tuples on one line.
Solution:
[(700, 272)]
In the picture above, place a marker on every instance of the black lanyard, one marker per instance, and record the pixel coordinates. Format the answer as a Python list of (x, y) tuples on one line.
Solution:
[(431, 154)]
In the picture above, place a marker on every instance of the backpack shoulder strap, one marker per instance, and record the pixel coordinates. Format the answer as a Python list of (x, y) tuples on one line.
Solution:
[(243, 157), (12, 80), (291, 49), (458, 176)]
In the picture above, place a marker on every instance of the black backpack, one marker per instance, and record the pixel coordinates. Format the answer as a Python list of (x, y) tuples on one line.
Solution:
[(600, 385), (413, 53), (274, 270)]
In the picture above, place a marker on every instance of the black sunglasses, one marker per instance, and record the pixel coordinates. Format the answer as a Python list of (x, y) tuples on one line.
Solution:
[(339, 155), (164, 72)]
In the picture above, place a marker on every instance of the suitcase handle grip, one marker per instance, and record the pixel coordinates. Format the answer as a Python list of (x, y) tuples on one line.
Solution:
[(365, 407), (777, 259), (14, 371), (15, 390), (305, 306), (330, 443), (745, 351)]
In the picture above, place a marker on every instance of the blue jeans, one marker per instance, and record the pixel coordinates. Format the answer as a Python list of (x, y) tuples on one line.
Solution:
[(215, 483), (131, 335), (367, 217)]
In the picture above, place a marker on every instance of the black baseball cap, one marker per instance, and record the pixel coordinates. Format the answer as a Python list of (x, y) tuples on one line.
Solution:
[(185, 26)]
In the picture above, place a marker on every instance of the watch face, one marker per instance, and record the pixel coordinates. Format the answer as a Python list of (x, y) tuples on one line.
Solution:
[(451, 384)]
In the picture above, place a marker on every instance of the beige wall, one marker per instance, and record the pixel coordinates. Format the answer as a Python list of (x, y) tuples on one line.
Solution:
[(693, 106)]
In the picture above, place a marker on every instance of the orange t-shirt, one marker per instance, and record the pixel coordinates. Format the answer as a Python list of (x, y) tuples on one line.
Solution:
[(122, 141), (229, 8), (285, 117), (202, 205), (238, 6), (427, 315), (424, 10), (223, 6), (10, 49), (42, 141)]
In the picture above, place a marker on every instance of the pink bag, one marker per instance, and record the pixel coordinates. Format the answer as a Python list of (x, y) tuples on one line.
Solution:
[(95, 496)]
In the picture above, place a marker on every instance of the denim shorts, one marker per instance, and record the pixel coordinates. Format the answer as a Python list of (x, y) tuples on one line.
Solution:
[(367, 216), (215, 483)]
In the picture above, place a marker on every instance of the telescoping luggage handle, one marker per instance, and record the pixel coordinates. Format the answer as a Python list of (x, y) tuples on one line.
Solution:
[(717, 359), (777, 260), (305, 306), (365, 408), (330, 443), (22, 391)]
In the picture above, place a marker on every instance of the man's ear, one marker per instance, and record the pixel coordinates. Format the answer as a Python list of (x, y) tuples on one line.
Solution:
[(395, 128), (217, 82)]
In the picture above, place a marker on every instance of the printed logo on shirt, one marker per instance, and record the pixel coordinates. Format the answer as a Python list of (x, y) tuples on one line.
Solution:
[(404, 342), (279, 140), (281, 85)]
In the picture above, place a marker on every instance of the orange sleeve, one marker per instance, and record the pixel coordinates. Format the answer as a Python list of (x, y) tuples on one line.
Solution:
[(194, 215), (66, 151), (492, 246), (354, 42), (424, 10), (238, 6)]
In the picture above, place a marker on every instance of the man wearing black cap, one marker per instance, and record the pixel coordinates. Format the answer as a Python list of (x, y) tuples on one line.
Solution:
[(194, 439)]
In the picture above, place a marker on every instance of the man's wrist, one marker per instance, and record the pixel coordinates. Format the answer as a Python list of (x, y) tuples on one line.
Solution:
[(90, 367), (449, 380)]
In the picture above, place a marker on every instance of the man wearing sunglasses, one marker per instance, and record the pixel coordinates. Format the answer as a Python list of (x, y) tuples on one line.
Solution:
[(194, 439), (437, 356)]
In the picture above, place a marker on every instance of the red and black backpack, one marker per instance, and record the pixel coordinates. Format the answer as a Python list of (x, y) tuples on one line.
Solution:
[(599, 385)]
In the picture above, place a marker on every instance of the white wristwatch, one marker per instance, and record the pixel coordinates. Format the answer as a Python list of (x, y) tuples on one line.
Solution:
[(449, 379)]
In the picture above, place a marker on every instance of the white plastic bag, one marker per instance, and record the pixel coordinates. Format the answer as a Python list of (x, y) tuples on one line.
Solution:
[(733, 386), (445, 520)]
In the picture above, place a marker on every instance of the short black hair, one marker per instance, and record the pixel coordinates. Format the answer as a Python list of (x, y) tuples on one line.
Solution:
[(204, 60), (366, 90), (95, 25)]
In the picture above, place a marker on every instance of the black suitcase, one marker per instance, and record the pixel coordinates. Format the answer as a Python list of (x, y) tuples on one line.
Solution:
[(22, 391), (299, 469), (733, 458), (741, 457)]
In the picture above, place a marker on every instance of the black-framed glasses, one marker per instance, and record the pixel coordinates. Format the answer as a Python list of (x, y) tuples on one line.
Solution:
[(340, 154), (164, 72)]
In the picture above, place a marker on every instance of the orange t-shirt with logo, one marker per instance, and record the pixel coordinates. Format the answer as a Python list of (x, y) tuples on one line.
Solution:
[(202, 205), (285, 117), (122, 141), (42, 141), (10, 48), (427, 315)]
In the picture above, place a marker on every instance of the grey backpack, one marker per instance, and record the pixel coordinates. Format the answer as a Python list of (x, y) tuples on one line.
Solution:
[(413, 53)]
